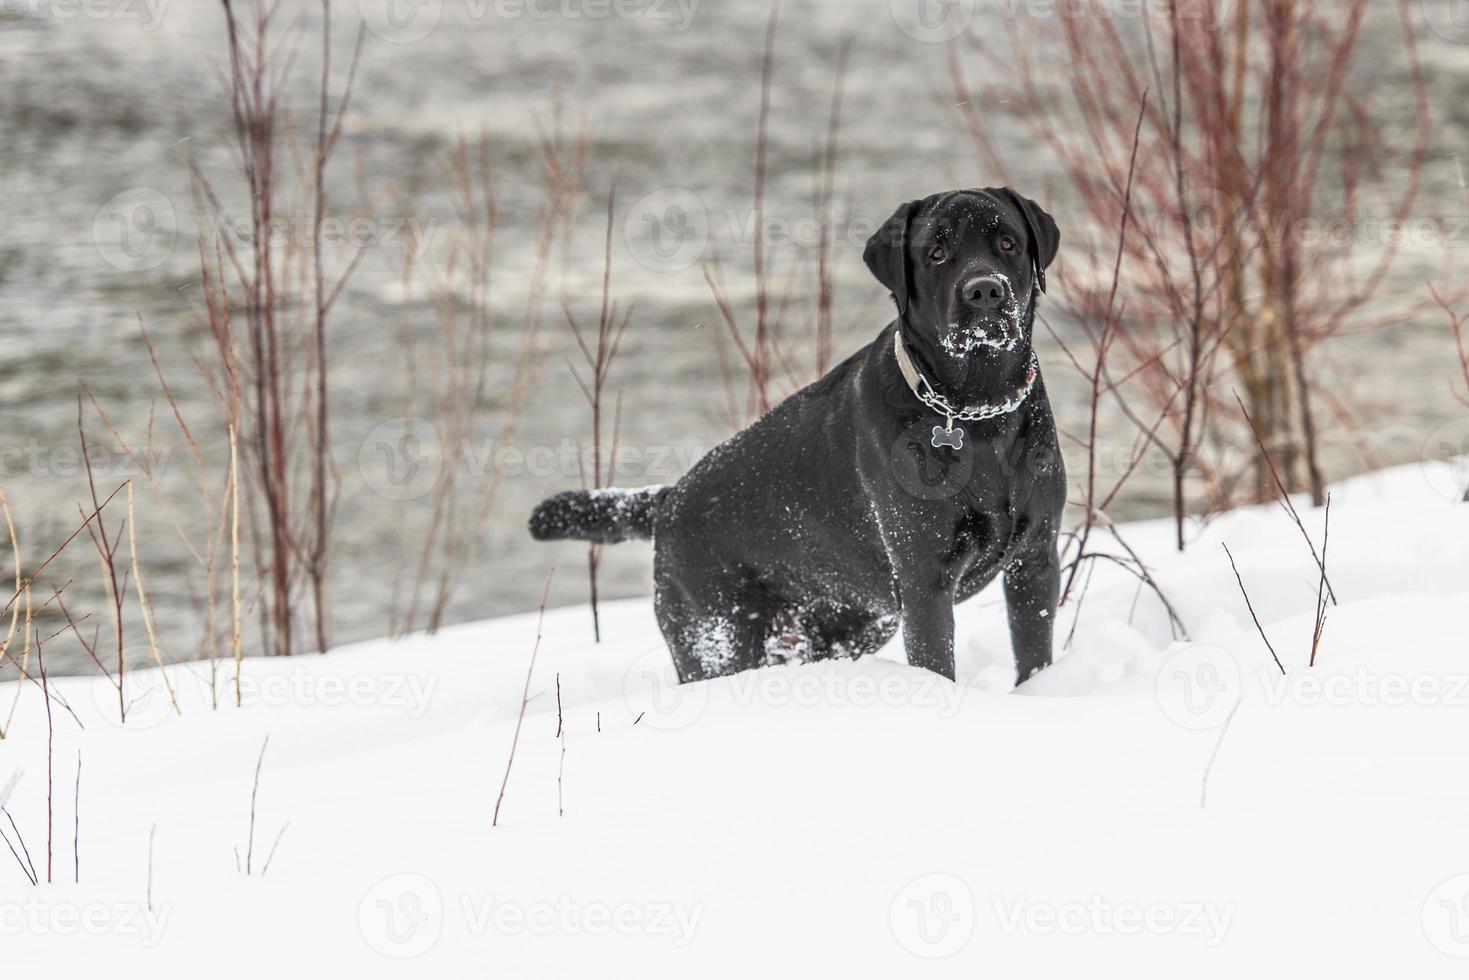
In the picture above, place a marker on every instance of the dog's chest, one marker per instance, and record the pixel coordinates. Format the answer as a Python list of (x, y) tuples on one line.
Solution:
[(1010, 495), (1001, 481), (985, 527)]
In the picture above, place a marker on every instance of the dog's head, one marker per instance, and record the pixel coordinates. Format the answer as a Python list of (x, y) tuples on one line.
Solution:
[(965, 267)]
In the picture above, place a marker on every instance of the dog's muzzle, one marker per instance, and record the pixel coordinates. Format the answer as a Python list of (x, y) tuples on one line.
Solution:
[(987, 315)]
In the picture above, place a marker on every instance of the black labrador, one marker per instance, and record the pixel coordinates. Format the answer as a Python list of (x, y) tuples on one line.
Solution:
[(900, 483)]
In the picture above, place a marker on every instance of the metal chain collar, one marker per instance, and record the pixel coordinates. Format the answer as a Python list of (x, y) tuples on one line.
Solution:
[(924, 391)]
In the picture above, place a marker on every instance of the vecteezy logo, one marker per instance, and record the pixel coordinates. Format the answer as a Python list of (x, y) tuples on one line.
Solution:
[(401, 21), (668, 230), (1198, 686), (1445, 917), (402, 916), (655, 698), (1449, 19), (1449, 443), (932, 917), (135, 231), (926, 469), (146, 697), (932, 21), (1200, 228), (401, 459)]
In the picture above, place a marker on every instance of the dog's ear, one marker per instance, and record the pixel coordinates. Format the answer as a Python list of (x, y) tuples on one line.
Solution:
[(886, 254), (1045, 237)]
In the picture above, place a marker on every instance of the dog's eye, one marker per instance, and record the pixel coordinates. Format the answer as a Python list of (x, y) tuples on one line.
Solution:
[(937, 255), (1007, 244)]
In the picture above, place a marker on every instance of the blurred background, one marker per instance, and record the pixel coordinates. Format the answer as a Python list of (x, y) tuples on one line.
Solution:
[(464, 214)]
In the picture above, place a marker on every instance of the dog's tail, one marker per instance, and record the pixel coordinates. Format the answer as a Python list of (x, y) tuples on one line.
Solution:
[(602, 516)]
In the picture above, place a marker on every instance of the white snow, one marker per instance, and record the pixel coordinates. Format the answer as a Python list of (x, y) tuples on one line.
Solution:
[(840, 819)]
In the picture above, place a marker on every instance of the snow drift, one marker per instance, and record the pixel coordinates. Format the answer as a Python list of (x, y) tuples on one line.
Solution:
[(1150, 804)]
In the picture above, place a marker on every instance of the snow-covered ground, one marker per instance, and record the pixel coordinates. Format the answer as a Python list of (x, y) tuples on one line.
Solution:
[(839, 819)]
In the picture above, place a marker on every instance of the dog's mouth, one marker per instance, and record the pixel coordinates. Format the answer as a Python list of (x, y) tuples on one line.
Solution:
[(993, 333)]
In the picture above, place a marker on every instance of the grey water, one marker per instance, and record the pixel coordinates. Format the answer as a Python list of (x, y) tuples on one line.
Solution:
[(102, 106)]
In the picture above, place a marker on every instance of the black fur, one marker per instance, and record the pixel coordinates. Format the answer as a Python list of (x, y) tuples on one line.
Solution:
[(819, 529), (603, 516)]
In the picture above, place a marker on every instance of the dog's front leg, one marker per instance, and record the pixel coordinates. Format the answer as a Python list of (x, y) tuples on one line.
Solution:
[(1032, 584), (928, 627)]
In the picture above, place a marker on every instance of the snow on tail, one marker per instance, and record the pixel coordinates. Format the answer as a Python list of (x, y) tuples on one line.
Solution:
[(603, 516)]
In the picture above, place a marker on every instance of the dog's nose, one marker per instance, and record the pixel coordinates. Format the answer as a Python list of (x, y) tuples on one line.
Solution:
[(985, 292)]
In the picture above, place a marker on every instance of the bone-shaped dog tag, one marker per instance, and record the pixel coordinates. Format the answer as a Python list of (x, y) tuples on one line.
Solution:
[(952, 437)]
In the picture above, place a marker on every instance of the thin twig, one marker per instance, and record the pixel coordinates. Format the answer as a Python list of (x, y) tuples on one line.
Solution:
[(1213, 756), (235, 644), (1321, 598), (29, 865), (152, 832), (76, 827), (23, 869), (86, 522), (561, 735), (524, 699), (1251, 606), (145, 607), (254, 793), (1283, 498), (1103, 344), (50, 767), (265, 870)]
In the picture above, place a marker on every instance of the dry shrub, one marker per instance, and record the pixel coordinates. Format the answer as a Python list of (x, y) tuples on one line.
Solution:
[(456, 379), (1255, 144)]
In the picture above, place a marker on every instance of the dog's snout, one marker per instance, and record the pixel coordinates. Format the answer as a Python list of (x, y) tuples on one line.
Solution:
[(986, 292)]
